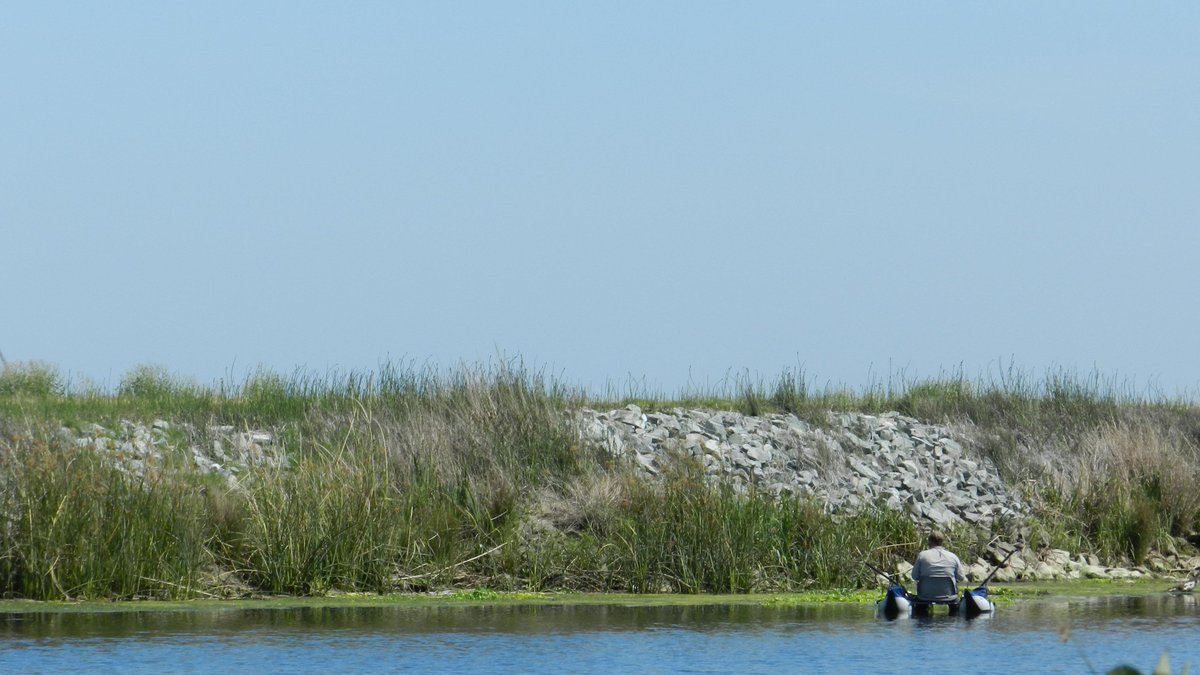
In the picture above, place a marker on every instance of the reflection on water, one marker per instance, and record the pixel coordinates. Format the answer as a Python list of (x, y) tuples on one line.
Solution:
[(520, 619), (1024, 637)]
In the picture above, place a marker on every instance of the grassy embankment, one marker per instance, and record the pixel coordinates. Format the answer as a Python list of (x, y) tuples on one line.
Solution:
[(408, 480)]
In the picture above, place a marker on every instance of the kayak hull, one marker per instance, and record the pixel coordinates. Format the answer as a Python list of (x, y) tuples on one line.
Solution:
[(898, 603), (895, 604), (976, 602)]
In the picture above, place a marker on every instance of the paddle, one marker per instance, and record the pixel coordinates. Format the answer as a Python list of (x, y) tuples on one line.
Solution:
[(988, 578)]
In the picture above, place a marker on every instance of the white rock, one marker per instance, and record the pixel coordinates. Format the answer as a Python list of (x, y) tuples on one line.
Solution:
[(1043, 571)]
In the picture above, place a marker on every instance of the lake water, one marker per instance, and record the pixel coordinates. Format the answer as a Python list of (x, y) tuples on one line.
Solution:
[(1022, 637)]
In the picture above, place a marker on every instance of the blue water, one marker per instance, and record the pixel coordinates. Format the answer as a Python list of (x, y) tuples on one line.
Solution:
[(1064, 635)]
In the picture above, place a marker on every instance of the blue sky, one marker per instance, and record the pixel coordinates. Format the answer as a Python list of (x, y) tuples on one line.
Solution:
[(661, 193)]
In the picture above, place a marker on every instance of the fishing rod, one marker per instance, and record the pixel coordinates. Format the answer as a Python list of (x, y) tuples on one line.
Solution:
[(885, 575), (988, 578)]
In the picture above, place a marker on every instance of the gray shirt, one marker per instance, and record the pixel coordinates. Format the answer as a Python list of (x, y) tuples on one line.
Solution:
[(937, 573)]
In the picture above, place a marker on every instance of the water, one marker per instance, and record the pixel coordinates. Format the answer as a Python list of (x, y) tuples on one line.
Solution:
[(1023, 637)]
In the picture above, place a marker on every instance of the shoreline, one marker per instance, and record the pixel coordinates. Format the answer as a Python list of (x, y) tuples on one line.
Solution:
[(1004, 593)]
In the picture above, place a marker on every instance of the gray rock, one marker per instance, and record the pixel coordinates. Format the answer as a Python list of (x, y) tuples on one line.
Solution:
[(886, 459), (862, 469), (759, 454), (647, 462), (714, 427)]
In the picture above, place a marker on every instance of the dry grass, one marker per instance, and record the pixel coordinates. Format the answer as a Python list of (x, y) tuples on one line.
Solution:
[(585, 503)]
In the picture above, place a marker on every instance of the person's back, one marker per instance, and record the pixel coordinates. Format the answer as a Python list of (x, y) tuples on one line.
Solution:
[(937, 572)]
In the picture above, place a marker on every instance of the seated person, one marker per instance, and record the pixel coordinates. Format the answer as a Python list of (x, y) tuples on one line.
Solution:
[(937, 572)]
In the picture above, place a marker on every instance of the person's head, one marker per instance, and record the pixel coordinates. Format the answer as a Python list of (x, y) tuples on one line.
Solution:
[(936, 538)]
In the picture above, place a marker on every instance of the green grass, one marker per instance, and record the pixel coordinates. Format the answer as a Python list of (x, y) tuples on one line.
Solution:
[(80, 528), (1001, 593)]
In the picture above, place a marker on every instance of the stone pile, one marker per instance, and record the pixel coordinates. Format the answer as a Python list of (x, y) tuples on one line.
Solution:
[(137, 448), (856, 460), (1059, 565)]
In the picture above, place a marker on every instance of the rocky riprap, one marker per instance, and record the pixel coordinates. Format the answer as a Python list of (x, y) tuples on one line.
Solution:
[(853, 462), (137, 448)]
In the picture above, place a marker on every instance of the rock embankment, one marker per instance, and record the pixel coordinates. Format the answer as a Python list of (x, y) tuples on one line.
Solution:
[(138, 448), (855, 461)]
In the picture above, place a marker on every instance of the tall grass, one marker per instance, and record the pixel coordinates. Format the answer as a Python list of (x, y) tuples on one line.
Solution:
[(683, 534), (679, 539), (414, 479), (30, 379), (397, 481), (77, 527)]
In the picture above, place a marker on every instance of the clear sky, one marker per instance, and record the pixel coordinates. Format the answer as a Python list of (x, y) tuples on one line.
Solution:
[(660, 192)]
